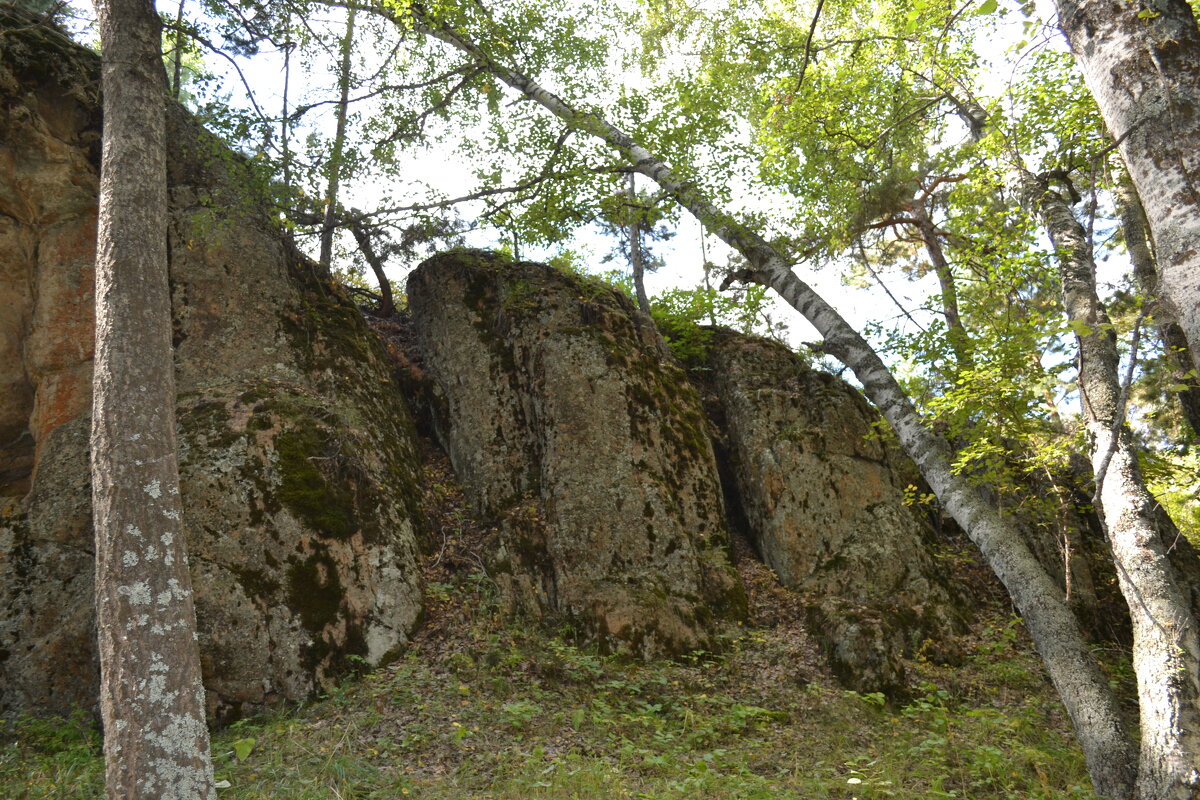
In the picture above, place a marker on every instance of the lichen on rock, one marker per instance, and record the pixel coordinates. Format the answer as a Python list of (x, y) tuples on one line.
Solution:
[(568, 421), (298, 460), (826, 510)]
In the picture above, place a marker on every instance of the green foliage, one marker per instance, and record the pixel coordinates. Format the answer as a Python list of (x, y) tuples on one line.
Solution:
[(51, 758), (1171, 476), (682, 314), (242, 748)]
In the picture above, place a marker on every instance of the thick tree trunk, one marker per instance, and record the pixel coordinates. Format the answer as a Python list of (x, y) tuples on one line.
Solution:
[(1082, 687), (151, 697), (1142, 63), (1166, 637), (1145, 271)]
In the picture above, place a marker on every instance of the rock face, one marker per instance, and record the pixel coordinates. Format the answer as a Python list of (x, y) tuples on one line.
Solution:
[(568, 420), (298, 462), (825, 509)]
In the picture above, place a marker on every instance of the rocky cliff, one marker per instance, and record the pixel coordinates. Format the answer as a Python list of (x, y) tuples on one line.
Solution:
[(574, 427), (577, 435), (825, 507), (568, 420), (298, 463)]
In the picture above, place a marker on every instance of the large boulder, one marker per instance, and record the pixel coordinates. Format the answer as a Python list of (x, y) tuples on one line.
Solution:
[(825, 508), (569, 422), (298, 461)]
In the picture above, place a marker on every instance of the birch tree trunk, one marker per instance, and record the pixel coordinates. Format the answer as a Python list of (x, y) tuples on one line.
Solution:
[(1142, 63), (1166, 636), (151, 698), (1085, 693)]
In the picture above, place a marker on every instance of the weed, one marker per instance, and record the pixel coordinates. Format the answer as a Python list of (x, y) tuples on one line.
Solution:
[(485, 707)]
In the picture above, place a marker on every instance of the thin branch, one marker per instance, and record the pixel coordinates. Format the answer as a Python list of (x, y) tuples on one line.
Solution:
[(867, 263), (420, 120), (195, 35), (547, 174), (808, 44), (391, 87)]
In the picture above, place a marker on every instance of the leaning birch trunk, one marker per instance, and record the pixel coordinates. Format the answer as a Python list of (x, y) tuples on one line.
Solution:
[(151, 697), (1085, 693), (1166, 639), (1142, 63)]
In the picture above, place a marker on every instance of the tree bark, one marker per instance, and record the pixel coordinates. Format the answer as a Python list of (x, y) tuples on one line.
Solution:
[(1082, 687), (1142, 63), (1145, 271), (637, 262), (151, 697), (1166, 636), (339, 144), (387, 303), (956, 333)]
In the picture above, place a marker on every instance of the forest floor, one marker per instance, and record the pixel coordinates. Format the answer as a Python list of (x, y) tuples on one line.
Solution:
[(486, 707)]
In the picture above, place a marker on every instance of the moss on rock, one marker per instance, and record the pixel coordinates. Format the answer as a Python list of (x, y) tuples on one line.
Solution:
[(558, 396), (325, 505)]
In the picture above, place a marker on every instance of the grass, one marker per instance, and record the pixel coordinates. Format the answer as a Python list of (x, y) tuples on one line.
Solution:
[(509, 712), (486, 707)]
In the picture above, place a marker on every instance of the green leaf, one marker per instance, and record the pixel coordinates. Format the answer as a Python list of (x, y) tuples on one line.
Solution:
[(987, 7), (242, 748), (1178, 387), (1080, 329)]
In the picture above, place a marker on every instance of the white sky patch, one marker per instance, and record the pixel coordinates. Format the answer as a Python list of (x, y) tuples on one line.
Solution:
[(440, 168)]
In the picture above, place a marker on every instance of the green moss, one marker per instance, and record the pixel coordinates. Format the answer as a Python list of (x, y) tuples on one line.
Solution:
[(256, 393), (325, 505), (207, 424), (315, 592)]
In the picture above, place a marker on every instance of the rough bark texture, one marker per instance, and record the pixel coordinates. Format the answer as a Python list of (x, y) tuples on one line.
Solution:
[(151, 696), (1166, 635), (1056, 634), (825, 509), (1142, 63), (339, 143), (298, 462), (566, 418)]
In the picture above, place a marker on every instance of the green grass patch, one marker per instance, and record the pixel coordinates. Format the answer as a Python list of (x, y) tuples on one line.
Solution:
[(507, 712)]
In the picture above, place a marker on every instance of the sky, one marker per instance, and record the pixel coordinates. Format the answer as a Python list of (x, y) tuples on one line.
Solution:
[(683, 268)]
